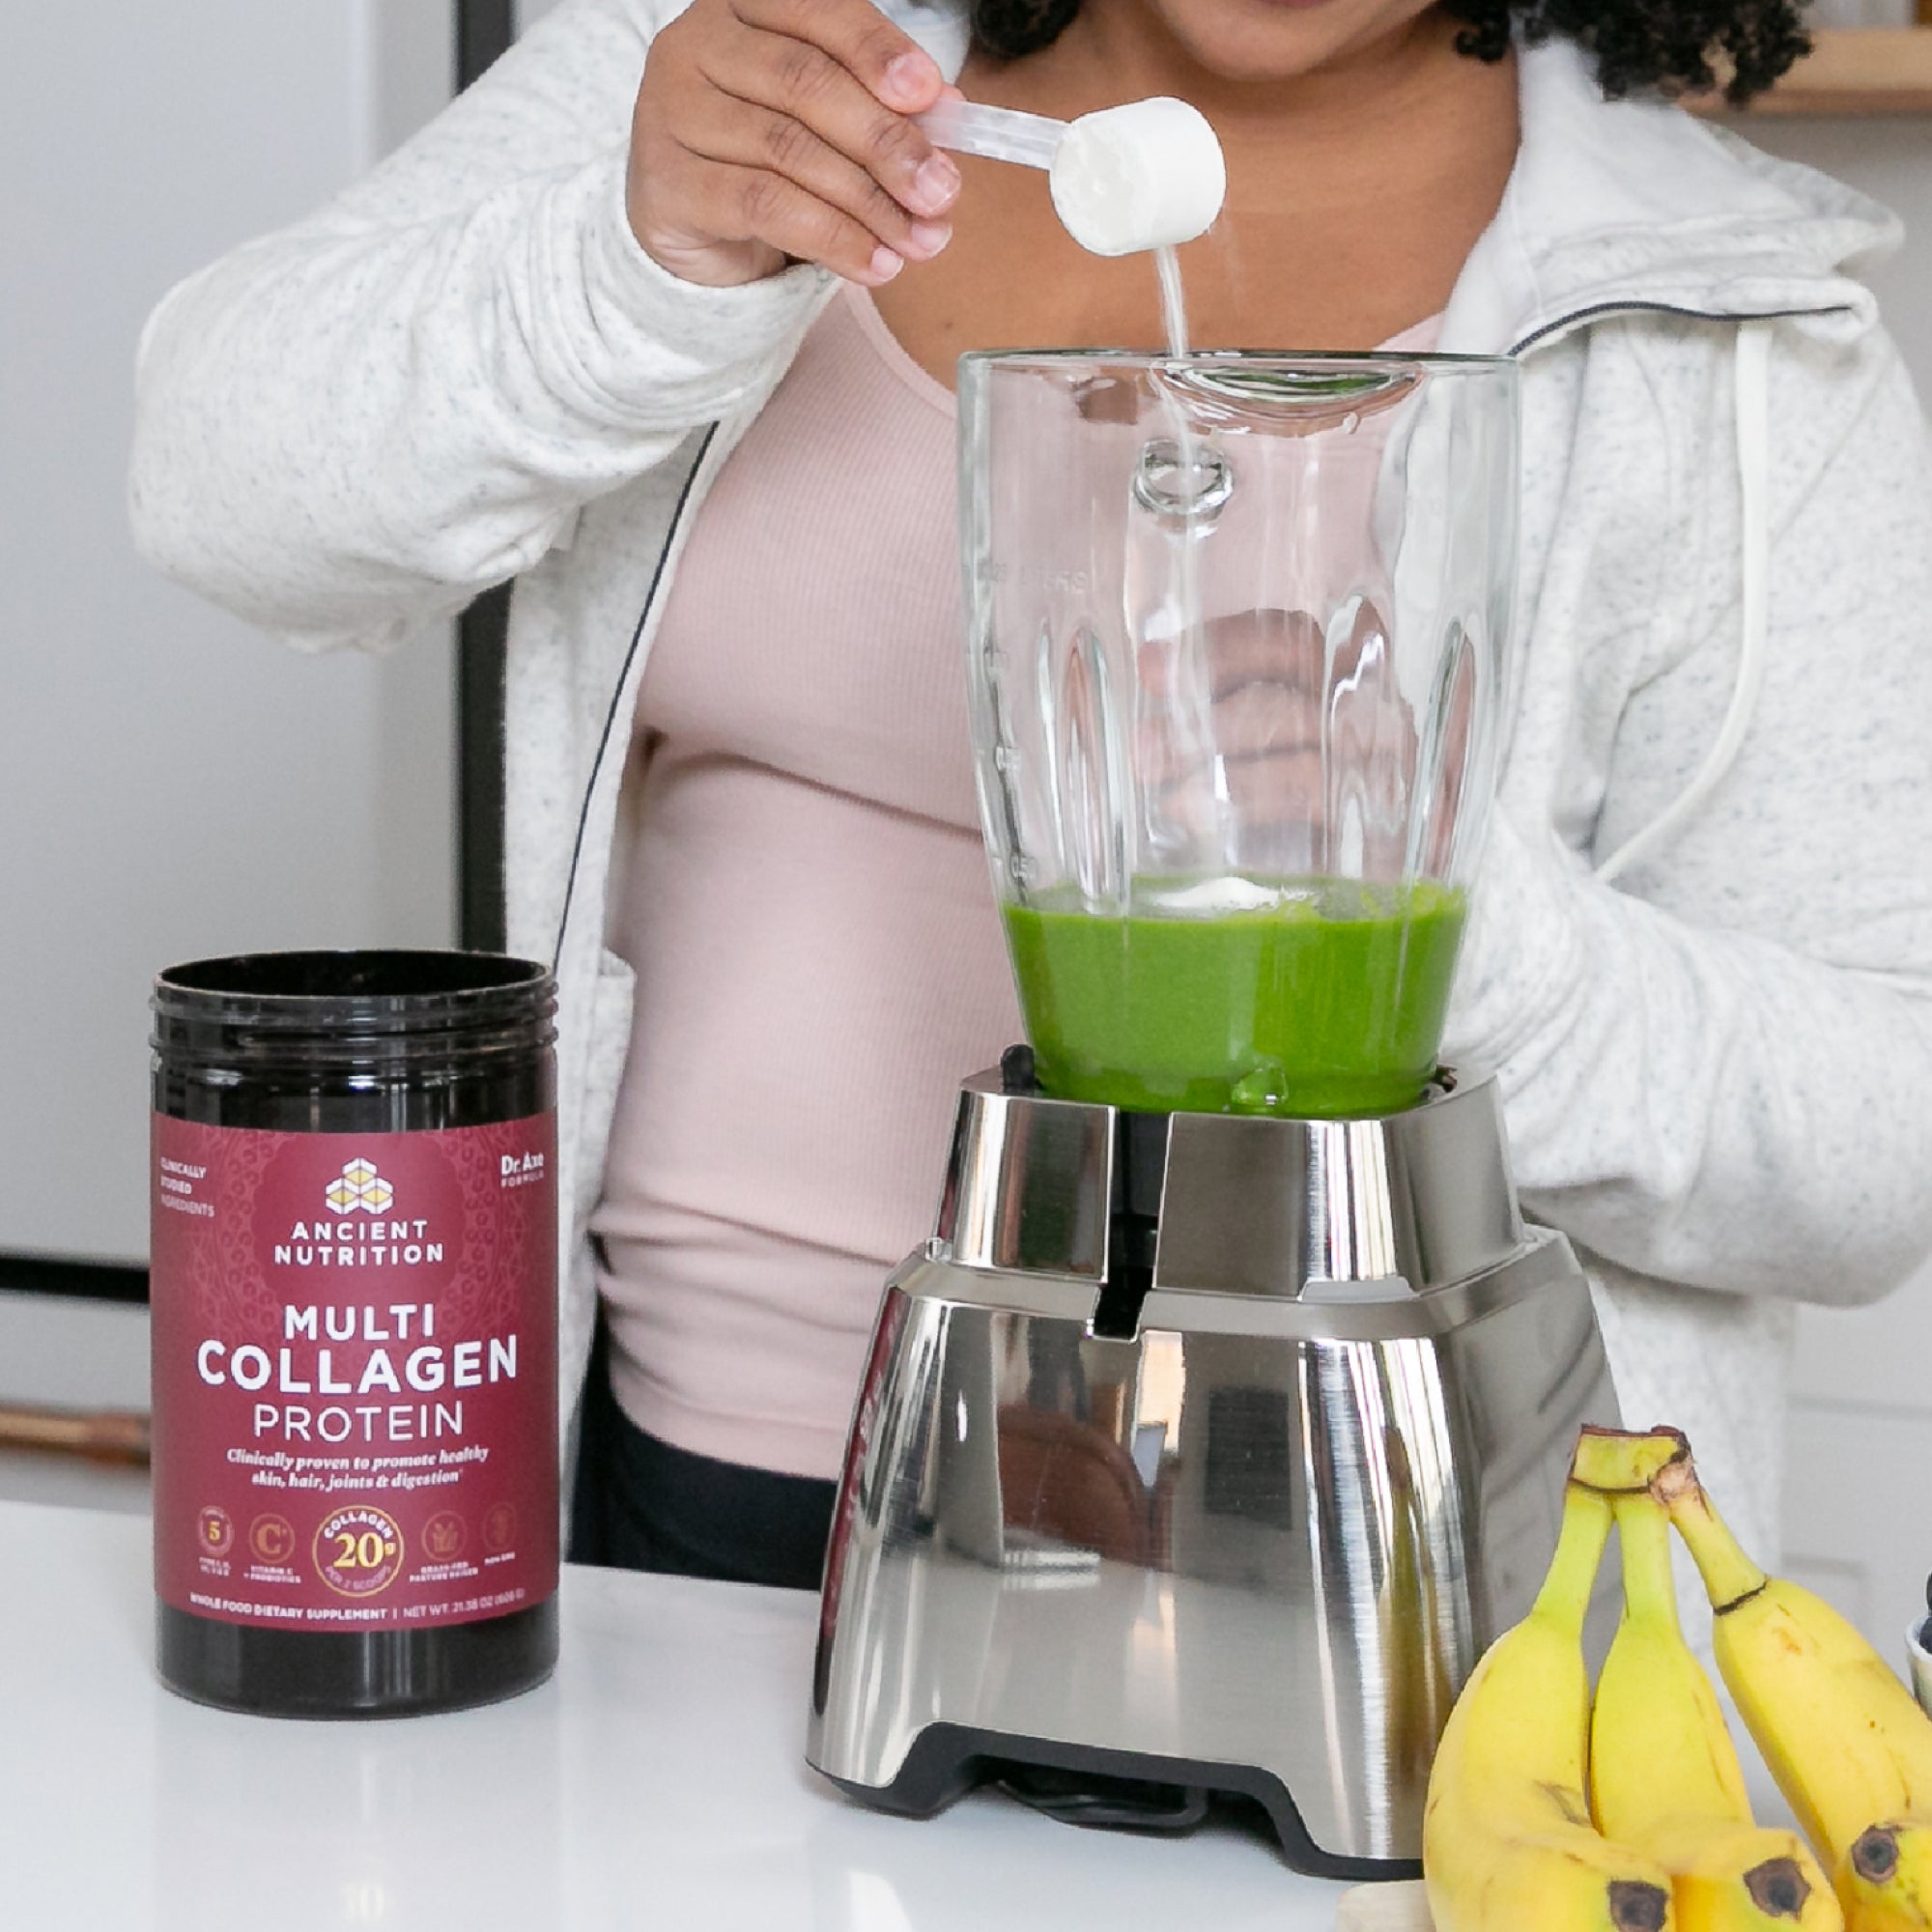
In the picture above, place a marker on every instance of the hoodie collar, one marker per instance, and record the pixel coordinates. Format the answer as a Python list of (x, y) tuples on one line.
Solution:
[(1628, 206), (1620, 207)]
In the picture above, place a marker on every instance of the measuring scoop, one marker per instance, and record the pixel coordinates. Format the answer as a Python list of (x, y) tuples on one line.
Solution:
[(1145, 174)]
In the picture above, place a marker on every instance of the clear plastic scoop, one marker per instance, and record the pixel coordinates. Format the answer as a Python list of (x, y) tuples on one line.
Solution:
[(994, 133), (1145, 174)]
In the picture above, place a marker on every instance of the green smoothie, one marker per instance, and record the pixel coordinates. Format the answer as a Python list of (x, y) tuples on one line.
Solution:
[(1325, 1003)]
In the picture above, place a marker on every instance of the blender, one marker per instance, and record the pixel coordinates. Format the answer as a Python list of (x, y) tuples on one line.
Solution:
[(1222, 1420)]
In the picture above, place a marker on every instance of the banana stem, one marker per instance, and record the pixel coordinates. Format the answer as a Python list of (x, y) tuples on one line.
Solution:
[(1618, 1459), (1650, 1595), (1729, 1574), (1564, 1598)]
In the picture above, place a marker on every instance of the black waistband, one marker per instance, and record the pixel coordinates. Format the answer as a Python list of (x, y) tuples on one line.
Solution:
[(642, 1504)]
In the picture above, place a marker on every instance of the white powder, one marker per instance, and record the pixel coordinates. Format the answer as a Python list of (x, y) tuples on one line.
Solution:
[(1146, 174)]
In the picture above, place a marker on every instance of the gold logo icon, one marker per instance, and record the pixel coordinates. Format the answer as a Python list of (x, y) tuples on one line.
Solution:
[(360, 1186), (442, 1536)]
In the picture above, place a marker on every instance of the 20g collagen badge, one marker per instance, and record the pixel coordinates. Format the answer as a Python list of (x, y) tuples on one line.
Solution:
[(355, 1323)]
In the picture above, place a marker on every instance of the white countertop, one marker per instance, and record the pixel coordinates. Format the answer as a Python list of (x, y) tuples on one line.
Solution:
[(655, 1783)]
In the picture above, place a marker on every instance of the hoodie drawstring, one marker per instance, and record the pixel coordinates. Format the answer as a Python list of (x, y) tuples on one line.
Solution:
[(1751, 367)]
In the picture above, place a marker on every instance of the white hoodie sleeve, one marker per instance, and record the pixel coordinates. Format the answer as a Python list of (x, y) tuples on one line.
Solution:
[(1718, 1071), (346, 430)]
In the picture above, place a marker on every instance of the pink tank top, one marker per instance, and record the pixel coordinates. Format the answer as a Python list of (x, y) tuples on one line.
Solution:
[(808, 910)]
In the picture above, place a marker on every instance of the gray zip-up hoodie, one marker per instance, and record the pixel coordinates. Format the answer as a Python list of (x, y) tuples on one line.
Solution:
[(1717, 1069)]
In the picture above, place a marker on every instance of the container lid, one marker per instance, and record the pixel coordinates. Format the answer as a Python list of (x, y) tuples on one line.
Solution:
[(348, 1009)]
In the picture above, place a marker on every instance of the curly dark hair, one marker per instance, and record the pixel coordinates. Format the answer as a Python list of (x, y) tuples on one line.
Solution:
[(1638, 44)]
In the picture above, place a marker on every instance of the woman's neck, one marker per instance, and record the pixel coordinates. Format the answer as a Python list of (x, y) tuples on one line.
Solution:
[(1123, 51), (1395, 113), (1354, 195)]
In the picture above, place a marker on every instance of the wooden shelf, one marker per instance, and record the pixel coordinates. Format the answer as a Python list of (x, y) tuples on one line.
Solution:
[(1855, 70)]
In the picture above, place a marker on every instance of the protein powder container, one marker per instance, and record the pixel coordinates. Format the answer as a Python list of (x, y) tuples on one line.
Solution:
[(356, 1492)]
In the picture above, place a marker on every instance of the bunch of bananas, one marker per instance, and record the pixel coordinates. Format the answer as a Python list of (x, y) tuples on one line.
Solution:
[(1664, 1837)]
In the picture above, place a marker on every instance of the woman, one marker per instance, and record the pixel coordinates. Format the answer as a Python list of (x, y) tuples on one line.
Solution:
[(738, 766)]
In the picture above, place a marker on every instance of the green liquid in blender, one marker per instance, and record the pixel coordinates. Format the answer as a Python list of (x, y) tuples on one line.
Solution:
[(1324, 1004)]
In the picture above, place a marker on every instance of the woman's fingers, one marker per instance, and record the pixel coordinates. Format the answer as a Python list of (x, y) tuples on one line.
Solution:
[(1258, 721), (819, 64), (1282, 646), (766, 142), (768, 130), (886, 60), (755, 208)]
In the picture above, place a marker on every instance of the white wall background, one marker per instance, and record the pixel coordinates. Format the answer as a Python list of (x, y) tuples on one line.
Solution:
[(171, 784)]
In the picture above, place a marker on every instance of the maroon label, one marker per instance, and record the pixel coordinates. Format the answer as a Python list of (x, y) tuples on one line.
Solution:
[(354, 1374)]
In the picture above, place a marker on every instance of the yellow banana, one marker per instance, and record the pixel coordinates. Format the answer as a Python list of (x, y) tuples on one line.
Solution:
[(1507, 1843), (1664, 1778), (1886, 1878), (1850, 1748)]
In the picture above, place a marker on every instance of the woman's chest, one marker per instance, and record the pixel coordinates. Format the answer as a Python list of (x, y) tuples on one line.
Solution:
[(814, 626), (1275, 276)]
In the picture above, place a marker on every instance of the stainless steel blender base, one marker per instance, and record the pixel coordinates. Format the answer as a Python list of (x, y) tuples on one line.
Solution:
[(1252, 1539)]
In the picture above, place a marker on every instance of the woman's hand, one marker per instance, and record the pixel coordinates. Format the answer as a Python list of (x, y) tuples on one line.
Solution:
[(769, 131), (1254, 733)]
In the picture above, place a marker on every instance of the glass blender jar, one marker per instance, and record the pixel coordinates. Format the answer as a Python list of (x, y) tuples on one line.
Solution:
[(1236, 629)]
